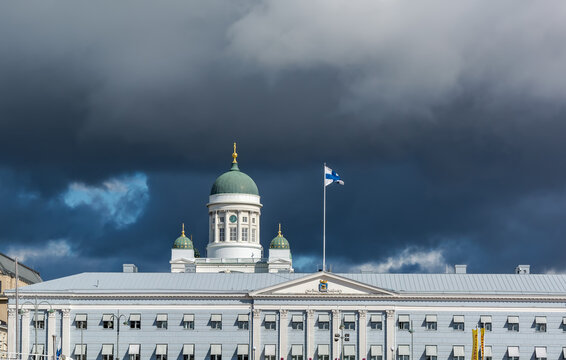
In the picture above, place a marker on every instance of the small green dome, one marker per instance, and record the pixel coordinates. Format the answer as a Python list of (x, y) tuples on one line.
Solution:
[(234, 181), (183, 242), (279, 242)]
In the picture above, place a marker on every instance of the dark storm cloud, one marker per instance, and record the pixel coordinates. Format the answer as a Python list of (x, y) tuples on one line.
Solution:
[(445, 119)]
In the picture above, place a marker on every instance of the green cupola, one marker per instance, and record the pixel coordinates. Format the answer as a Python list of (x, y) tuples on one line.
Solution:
[(234, 181), (279, 242), (183, 242)]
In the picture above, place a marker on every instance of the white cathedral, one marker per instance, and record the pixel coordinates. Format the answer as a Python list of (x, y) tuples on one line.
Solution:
[(234, 210)]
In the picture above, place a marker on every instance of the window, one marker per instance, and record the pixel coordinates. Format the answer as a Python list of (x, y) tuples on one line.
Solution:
[(135, 321), (107, 322), (39, 321), (80, 352), (38, 352), (221, 234), (540, 353), (458, 352), (253, 220), (80, 321), (458, 322), (375, 322), (215, 352), (107, 352), (403, 351), (431, 352), (189, 321), (296, 352), (564, 326), (375, 352), (404, 322), (216, 321), (513, 352), (221, 219), (244, 219), (324, 322), (540, 324), (212, 219), (323, 352), (243, 322), (244, 234), (349, 322), (189, 352), (134, 351), (487, 353), (161, 352), (161, 321), (270, 323), (269, 352), (253, 235), (485, 322), (297, 322), (349, 352), (513, 323), (242, 352), (233, 233), (431, 322)]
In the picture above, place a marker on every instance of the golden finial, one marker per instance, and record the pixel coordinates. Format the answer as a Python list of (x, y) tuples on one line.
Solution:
[(280, 229), (234, 155), (191, 237), (183, 232)]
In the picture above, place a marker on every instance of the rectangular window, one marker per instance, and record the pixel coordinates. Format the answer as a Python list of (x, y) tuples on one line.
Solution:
[(458, 322), (81, 321), (242, 351), (215, 352), (161, 352), (189, 321), (189, 352), (297, 322), (134, 351), (270, 322), (38, 352), (107, 321), (431, 322), (269, 352), (323, 352), (39, 322), (233, 233), (487, 353), (221, 234), (135, 321), (324, 322), (540, 323), (244, 234), (375, 352), (431, 352), (216, 321), (161, 321), (253, 235), (349, 352), (513, 352), (243, 322), (513, 323), (221, 219), (458, 352), (349, 322), (244, 219), (403, 351), (540, 353), (375, 322), (485, 322), (296, 352), (404, 321), (107, 352), (80, 352), (253, 220)]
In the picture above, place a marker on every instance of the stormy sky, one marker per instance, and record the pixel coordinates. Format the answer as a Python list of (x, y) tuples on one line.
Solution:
[(446, 120)]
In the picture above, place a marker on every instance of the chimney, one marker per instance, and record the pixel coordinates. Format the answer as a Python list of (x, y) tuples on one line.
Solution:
[(129, 268), (460, 269), (523, 269)]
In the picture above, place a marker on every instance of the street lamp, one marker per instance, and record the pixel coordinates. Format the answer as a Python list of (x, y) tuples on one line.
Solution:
[(117, 318), (36, 304)]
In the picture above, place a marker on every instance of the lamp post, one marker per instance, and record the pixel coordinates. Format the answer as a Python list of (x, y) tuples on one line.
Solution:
[(35, 305), (411, 331), (117, 319)]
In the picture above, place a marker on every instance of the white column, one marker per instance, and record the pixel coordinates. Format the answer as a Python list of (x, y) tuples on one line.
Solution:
[(390, 335), (238, 228), (216, 227), (362, 334), (66, 336), (258, 230), (310, 334), (226, 227), (24, 348), (12, 318), (283, 334), (336, 321), (50, 331), (256, 333)]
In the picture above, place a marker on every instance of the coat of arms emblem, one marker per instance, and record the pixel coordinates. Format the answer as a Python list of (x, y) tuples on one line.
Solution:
[(323, 286)]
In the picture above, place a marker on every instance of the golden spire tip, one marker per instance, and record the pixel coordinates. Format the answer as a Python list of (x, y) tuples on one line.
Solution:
[(280, 229), (183, 232), (235, 154)]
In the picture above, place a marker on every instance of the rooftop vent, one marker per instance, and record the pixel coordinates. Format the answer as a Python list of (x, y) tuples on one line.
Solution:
[(523, 269), (460, 269), (129, 268)]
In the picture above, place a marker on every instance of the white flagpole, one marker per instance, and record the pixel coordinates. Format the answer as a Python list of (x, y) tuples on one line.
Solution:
[(324, 219)]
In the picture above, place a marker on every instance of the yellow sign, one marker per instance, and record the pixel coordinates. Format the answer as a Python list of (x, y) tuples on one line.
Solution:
[(482, 342), (474, 344)]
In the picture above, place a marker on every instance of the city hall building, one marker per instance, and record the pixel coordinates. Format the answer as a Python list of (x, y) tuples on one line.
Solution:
[(237, 304)]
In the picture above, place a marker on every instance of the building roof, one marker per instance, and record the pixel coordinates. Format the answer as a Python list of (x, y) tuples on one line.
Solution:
[(25, 273), (512, 284)]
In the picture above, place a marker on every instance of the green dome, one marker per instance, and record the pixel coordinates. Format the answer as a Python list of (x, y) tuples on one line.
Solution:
[(183, 242), (279, 242), (234, 181)]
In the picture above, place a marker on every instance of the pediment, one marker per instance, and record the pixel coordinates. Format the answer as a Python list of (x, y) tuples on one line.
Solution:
[(323, 284)]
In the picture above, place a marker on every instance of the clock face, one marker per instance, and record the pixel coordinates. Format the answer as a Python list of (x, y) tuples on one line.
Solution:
[(233, 218)]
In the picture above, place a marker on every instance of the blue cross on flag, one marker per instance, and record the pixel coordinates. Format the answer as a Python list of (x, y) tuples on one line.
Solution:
[(330, 176)]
